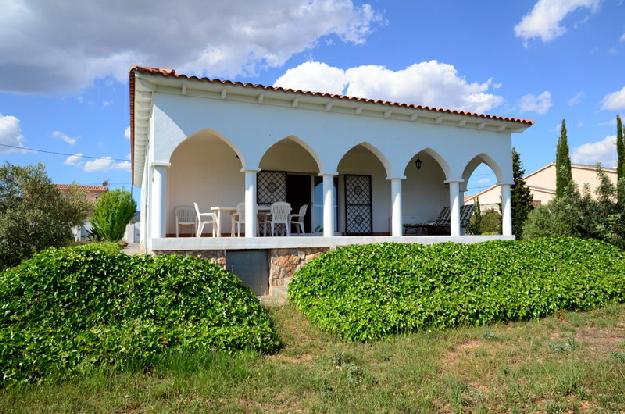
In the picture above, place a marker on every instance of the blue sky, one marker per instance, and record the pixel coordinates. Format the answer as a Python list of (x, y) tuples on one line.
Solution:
[(63, 71)]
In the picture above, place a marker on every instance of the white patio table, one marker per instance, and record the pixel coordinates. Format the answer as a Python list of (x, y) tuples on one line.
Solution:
[(232, 210)]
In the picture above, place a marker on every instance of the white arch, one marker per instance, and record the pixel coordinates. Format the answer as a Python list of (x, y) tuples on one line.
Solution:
[(375, 151), (474, 162), (447, 171), (311, 151), (211, 133)]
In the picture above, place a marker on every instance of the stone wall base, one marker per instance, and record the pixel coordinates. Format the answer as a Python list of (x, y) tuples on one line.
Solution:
[(282, 263)]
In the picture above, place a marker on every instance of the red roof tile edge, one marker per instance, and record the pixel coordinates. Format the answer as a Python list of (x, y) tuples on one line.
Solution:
[(82, 187), (171, 73)]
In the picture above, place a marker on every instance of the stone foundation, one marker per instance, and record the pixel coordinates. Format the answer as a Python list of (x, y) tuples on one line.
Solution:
[(282, 263)]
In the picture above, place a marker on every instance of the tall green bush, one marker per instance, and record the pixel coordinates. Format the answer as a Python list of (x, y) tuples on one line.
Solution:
[(564, 175), (65, 311), (366, 292), (34, 214), (112, 213), (521, 196), (620, 163)]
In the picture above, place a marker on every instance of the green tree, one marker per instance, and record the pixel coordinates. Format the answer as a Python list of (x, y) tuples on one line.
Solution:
[(620, 164), (564, 176), (475, 223), (34, 214), (521, 196), (112, 213)]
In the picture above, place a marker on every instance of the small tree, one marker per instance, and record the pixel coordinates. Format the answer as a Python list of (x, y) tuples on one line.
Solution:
[(112, 213), (564, 175), (620, 163), (521, 196), (34, 214), (475, 223)]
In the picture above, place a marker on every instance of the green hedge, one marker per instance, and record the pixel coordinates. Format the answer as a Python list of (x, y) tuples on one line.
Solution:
[(366, 292), (68, 310)]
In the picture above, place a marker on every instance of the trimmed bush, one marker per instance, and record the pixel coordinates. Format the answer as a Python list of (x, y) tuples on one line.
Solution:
[(113, 211), (68, 310), (366, 292)]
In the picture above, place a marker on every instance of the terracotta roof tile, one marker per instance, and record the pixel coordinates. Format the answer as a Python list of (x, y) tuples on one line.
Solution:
[(101, 188)]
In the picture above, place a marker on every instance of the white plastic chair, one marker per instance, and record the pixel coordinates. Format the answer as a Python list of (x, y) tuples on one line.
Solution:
[(238, 218), (280, 215), (204, 219), (185, 216), (297, 220)]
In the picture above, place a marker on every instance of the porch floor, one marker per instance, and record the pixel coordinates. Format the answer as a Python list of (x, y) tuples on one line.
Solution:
[(252, 243)]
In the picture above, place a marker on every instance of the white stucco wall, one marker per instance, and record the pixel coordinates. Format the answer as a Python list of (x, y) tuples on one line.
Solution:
[(253, 128), (201, 136)]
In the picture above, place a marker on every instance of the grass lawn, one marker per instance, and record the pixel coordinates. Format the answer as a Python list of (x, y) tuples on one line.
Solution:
[(572, 362)]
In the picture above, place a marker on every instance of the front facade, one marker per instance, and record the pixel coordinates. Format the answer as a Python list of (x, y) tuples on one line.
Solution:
[(542, 185), (364, 168)]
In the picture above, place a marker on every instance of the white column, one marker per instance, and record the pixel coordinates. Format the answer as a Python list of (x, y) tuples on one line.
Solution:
[(454, 206), (159, 199), (328, 205), (506, 213), (396, 218), (250, 203)]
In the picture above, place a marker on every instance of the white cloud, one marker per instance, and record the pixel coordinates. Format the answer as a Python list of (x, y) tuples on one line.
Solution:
[(536, 103), (622, 38), (106, 163), (545, 18), (10, 133), (127, 132), (603, 151), (427, 83), (64, 137), (74, 159), (483, 181), (64, 46), (576, 99), (614, 101)]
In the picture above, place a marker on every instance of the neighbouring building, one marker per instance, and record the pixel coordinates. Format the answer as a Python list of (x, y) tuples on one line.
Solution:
[(363, 167), (542, 185), (92, 192)]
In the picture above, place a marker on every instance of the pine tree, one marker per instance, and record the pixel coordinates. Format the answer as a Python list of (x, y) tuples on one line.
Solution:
[(521, 196), (620, 163), (564, 176)]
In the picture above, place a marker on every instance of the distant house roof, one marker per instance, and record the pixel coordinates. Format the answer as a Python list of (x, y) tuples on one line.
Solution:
[(92, 188), (544, 167)]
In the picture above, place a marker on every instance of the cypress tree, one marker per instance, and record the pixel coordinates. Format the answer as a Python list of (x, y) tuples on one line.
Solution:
[(620, 163), (564, 176), (521, 196)]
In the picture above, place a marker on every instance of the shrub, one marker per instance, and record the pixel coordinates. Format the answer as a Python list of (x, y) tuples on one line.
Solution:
[(573, 214), (34, 214), (112, 213), (68, 310), (365, 292)]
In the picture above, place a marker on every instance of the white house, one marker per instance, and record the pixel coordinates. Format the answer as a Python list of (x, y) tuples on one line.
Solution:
[(352, 160)]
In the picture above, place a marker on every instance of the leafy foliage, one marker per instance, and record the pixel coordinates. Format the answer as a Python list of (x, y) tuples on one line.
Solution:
[(564, 175), (34, 214), (488, 222), (113, 212), (366, 292), (475, 222), (67, 310), (521, 196), (601, 217), (620, 163)]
